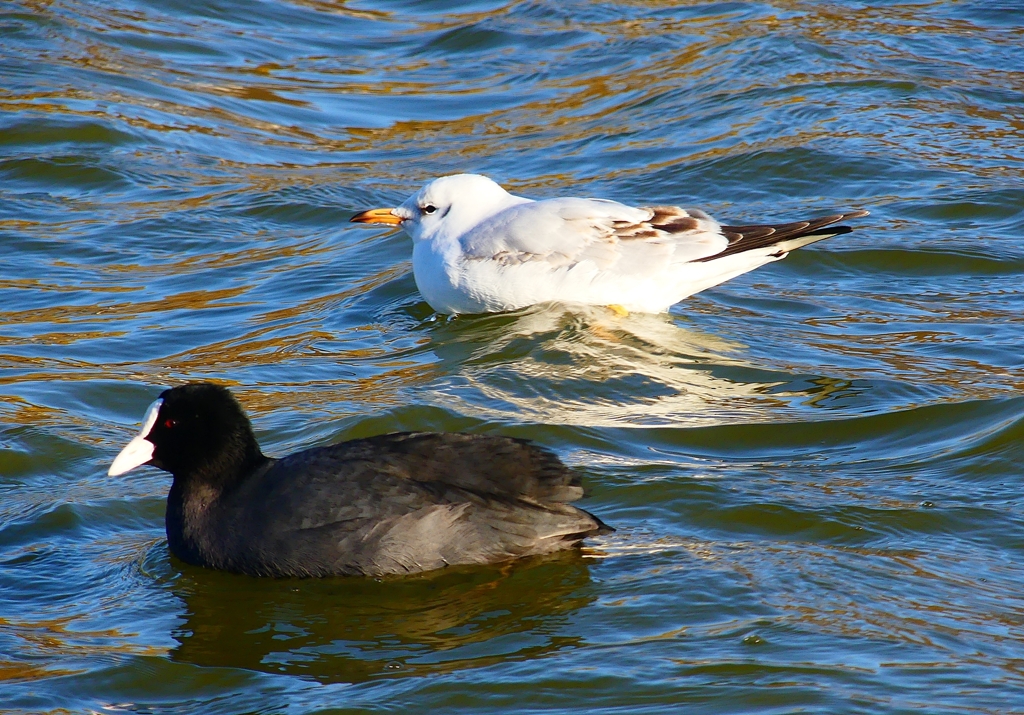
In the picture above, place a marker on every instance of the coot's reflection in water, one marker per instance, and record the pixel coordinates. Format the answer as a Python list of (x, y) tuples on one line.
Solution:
[(355, 629)]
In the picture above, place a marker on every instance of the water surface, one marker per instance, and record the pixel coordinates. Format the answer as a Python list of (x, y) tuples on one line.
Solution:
[(814, 469)]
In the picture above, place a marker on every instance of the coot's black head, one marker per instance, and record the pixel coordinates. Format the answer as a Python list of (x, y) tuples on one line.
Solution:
[(196, 431)]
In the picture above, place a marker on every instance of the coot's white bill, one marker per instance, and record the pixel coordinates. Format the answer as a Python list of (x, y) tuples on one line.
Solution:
[(139, 450)]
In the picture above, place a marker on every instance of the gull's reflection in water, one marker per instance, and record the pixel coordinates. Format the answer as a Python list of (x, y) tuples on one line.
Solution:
[(354, 629), (594, 367)]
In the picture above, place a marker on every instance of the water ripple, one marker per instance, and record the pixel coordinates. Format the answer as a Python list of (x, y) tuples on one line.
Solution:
[(812, 469)]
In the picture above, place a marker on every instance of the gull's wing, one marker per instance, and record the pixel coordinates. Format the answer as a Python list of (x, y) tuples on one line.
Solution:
[(616, 237), (567, 231)]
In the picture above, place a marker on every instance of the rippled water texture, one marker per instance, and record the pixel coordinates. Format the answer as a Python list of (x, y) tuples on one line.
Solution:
[(814, 469)]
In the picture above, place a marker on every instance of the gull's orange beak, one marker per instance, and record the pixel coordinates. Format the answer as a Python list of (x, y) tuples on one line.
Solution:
[(377, 216)]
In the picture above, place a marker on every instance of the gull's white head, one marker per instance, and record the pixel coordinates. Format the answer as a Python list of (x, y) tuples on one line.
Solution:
[(446, 207)]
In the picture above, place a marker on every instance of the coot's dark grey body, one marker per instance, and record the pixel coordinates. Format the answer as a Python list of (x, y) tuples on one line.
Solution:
[(393, 504)]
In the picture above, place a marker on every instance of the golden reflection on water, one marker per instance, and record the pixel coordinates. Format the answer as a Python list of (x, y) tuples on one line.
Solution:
[(57, 639), (583, 105), (914, 614), (157, 116)]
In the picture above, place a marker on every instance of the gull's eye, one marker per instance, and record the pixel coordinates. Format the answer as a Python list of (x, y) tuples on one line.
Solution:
[(429, 209)]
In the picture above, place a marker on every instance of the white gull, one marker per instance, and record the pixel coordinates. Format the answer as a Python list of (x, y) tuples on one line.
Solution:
[(479, 249)]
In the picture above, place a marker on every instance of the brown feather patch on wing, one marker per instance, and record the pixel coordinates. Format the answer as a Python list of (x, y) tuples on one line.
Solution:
[(673, 219), (746, 238), (664, 221)]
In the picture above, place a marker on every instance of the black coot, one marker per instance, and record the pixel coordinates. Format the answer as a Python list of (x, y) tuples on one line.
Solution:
[(393, 504)]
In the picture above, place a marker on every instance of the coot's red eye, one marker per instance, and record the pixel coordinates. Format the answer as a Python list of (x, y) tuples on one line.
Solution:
[(169, 423)]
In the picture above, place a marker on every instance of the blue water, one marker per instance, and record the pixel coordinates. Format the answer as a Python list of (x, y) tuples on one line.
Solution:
[(814, 469)]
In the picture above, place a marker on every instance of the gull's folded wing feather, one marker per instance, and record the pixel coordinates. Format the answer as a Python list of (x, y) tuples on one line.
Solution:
[(615, 237)]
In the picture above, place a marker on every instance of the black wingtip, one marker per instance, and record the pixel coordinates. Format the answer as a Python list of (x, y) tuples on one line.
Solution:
[(830, 231), (747, 238)]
